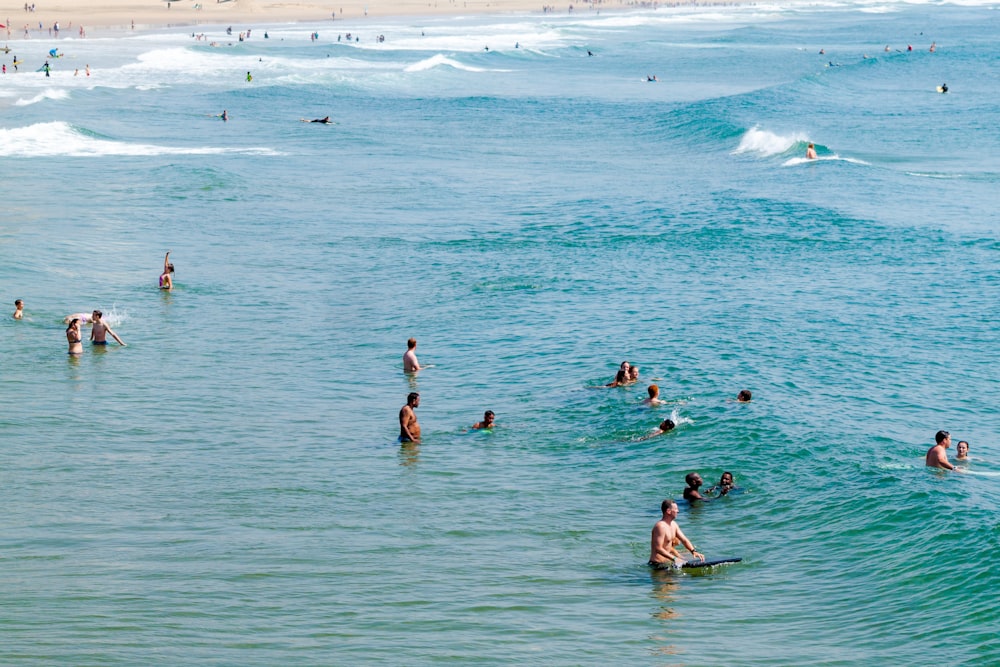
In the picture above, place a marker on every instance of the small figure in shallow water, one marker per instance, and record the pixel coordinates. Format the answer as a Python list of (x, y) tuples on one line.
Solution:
[(166, 279), (410, 363), (937, 456), (962, 449), (654, 396), (725, 485), (811, 152), (487, 422), (18, 309), (744, 396), (409, 429)]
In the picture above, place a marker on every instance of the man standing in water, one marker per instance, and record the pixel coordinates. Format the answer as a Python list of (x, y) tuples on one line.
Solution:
[(666, 533), (410, 363), (99, 330), (409, 429), (937, 456)]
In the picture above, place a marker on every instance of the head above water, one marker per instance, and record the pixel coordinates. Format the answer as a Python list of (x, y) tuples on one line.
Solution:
[(962, 449), (72, 323), (18, 303), (412, 398), (726, 479), (668, 505), (653, 391), (941, 436), (97, 314), (667, 425), (412, 343), (744, 396), (693, 480)]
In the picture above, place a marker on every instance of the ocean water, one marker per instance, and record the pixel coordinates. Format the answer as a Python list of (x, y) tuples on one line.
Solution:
[(228, 490)]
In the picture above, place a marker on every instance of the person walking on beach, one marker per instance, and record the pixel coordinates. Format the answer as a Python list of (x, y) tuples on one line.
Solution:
[(18, 310), (74, 337), (409, 429), (666, 534), (410, 363), (99, 330), (937, 456), (166, 279)]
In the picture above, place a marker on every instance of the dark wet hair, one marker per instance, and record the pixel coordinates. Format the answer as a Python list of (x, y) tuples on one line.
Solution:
[(689, 478), (744, 395), (72, 322), (668, 424), (489, 413), (98, 313), (411, 343), (665, 505), (412, 395), (18, 302), (170, 268), (940, 436)]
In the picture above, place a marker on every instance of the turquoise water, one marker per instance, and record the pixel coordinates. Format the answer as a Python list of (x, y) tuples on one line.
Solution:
[(227, 488)]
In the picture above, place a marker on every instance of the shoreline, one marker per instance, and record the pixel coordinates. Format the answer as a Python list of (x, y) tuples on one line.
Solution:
[(78, 19)]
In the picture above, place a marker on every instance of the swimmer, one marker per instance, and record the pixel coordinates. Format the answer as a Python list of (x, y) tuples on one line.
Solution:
[(224, 115), (694, 481), (99, 330), (410, 363), (944, 88), (963, 451), (654, 396), (487, 422), (249, 78), (666, 533), (651, 78), (744, 396), (621, 377), (933, 47), (725, 485), (166, 280), (633, 374), (822, 52), (73, 337), (18, 309), (325, 121), (937, 456), (409, 429), (811, 152), (665, 425)]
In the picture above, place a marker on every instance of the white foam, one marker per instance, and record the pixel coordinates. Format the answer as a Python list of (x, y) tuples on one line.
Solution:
[(795, 161), (762, 142), (47, 94), (61, 139), (440, 60)]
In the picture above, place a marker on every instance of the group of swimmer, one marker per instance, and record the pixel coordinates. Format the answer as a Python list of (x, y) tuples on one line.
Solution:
[(667, 534), (937, 456), (99, 329)]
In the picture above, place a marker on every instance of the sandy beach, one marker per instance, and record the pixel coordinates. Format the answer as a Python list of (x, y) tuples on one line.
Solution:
[(118, 15)]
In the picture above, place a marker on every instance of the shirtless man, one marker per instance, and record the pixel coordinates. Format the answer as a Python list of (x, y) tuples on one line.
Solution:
[(487, 422), (99, 330), (694, 481), (409, 429), (666, 534), (811, 152), (18, 309), (654, 396), (937, 456), (410, 363)]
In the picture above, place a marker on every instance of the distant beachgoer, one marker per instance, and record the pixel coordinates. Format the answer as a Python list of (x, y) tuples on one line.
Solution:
[(224, 115), (654, 396), (74, 337), (326, 120), (99, 330), (694, 481), (665, 425), (725, 485), (887, 48), (633, 374), (87, 70), (944, 87), (166, 280), (409, 429), (909, 47), (744, 396), (822, 52), (937, 456), (933, 47), (249, 78), (666, 533), (487, 422), (621, 377), (650, 77), (811, 152), (962, 450), (18, 309), (410, 363)]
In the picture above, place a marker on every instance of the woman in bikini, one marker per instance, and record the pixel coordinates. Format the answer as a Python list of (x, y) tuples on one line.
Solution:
[(74, 337), (166, 281)]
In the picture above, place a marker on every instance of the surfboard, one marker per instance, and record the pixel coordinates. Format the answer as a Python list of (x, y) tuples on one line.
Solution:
[(696, 564), (709, 563), (940, 89)]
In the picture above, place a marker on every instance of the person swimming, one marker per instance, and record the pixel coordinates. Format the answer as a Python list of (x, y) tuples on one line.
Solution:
[(811, 152), (325, 121)]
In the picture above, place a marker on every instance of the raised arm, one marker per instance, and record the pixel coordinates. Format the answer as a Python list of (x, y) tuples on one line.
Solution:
[(166, 262)]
